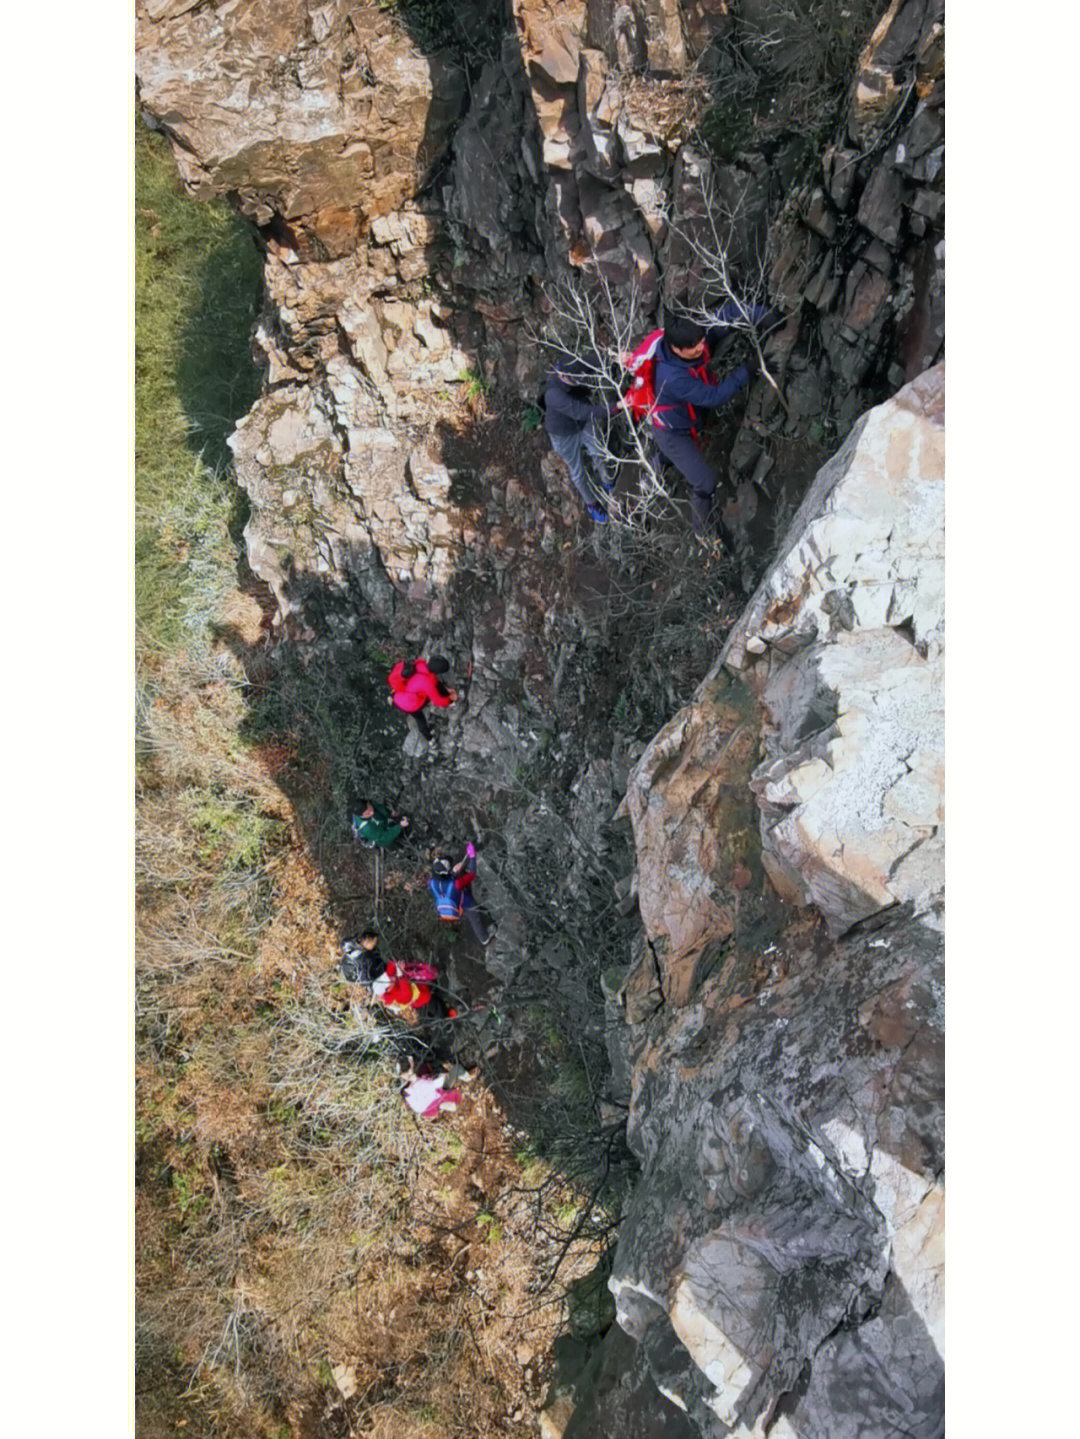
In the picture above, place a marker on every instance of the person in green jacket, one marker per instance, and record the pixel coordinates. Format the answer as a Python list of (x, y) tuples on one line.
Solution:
[(376, 827)]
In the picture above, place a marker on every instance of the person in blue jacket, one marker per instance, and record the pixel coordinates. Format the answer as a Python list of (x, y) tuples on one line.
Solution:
[(572, 412), (685, 386)]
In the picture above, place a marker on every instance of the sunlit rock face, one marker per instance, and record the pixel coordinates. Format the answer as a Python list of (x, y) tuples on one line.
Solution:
[(325, 117), (844, 643), (782, 1260)]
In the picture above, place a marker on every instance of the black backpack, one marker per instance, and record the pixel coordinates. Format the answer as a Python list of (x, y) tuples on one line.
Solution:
[(359, 965)]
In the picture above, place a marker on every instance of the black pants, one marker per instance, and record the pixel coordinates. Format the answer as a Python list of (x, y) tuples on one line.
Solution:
[(683, 452), (478, 923), (418, 719)]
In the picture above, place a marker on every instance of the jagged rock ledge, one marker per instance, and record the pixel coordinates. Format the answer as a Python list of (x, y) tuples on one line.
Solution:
[(779, 1037)]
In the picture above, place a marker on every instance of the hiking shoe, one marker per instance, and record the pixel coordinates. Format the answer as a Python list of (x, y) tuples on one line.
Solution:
[(597, 514)]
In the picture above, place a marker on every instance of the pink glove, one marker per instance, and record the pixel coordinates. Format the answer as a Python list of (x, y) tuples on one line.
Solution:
[(470, 850)]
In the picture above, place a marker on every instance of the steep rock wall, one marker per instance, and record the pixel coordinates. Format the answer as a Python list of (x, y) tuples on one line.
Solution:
[(413, 223), (782, 1263)]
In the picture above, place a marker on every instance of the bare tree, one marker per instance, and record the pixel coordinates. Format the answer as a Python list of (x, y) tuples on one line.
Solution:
[(600, 327), (716, 289)]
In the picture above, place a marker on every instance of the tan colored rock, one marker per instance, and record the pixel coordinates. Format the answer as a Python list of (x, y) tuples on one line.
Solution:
[(551, 37), (553, 1420), (296, 128), (345, 1379), (694, 824)]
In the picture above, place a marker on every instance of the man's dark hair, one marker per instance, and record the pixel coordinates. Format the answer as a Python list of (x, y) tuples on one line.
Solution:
[(438, 665), (683, 334)]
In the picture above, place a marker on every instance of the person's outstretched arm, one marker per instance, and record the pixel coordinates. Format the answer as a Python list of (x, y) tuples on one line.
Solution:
[(466, 869), (734, 314), (687, 389), (431, 688)]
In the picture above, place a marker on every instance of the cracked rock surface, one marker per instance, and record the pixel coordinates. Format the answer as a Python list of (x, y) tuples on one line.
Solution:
[(782, 1047)]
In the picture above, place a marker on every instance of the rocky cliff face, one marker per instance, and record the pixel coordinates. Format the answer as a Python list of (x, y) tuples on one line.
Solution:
[(844, 645), (421, 179), (782, 1265), (417, 200)]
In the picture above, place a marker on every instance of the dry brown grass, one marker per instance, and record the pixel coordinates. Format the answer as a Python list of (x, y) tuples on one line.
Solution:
[(312, 1259)]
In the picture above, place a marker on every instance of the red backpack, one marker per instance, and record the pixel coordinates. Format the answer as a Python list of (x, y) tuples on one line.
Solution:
[(640, 398)]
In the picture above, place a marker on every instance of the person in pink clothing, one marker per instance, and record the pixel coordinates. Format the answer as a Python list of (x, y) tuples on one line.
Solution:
[(414, 684), (425, 1093)]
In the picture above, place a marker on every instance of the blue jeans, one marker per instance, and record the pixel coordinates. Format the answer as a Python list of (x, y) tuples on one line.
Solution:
[(572, 449)]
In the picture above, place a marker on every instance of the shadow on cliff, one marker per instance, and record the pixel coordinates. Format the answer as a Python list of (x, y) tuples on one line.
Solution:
[(216, 378), (318, 719)]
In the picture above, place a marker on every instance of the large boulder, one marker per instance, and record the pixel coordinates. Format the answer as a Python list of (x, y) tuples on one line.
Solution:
[(844, 643), (325, 117), (781, 1263)]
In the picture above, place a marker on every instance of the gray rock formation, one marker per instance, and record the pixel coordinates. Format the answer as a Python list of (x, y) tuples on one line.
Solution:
[(781, 1264), (777, 1034)]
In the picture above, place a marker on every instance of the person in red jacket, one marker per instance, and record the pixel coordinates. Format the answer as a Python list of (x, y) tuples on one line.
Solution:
[(414, 684), (406, 984)]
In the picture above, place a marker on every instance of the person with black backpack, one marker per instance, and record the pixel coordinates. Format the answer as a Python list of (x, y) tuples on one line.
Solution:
[(572, 413), (360, 959)]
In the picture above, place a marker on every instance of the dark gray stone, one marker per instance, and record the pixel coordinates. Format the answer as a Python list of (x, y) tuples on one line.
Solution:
[(880, 206), (841, 169), (878, 1380), (778, 1244), (615, 1395)]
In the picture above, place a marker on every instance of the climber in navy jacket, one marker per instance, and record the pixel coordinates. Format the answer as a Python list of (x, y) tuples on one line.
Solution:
[(685, 386), (571, 413)]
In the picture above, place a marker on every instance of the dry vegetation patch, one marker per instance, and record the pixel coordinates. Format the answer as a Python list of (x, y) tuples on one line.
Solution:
[(312, 1258)]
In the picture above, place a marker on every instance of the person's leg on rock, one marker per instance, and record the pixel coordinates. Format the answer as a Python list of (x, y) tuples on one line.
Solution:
[(599, 458), (478, 924), (683, 452), (418, 722), (569, 450)]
